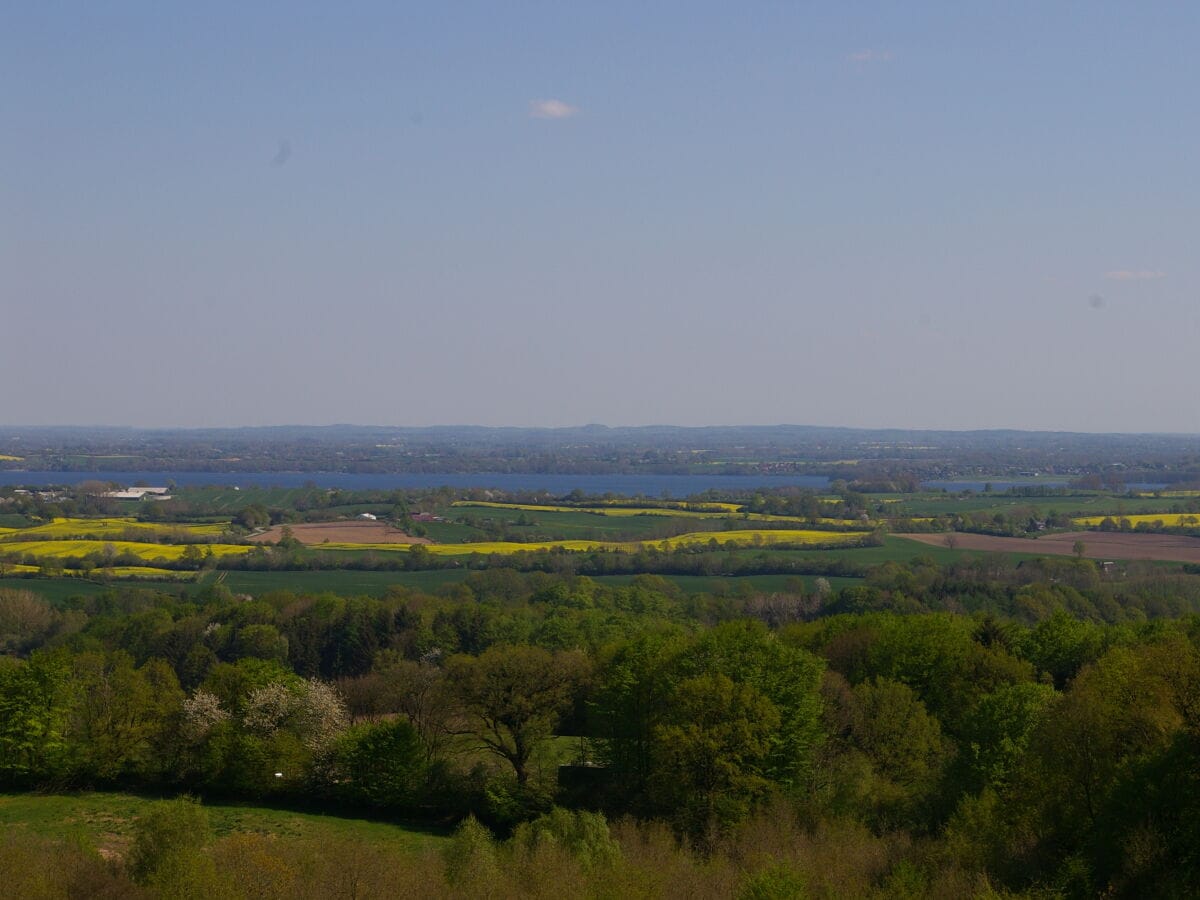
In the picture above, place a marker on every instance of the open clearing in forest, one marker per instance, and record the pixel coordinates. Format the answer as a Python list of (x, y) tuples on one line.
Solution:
[(364, 532), (105, 820), (1096, 545)]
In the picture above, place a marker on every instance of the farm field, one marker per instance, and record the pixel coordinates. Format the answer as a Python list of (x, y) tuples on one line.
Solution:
[(570, 524), (148, 572), (229, 500), (741, 538), (356, 538), (364, 532), (1165, 520), (59, 590), (719, 584), (105, 820), (1097, 545), (895, 548), (63, 549), (120, 527), (346, 582), (728, 511), (907, 505)]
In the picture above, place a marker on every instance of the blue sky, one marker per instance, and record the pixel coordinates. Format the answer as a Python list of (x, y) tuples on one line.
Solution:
[(916, 215)]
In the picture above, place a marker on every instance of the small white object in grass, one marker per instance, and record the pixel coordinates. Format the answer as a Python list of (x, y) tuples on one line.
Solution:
[(278, 774)]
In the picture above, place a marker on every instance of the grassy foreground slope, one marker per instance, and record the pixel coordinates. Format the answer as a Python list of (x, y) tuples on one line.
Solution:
[(105, 820)]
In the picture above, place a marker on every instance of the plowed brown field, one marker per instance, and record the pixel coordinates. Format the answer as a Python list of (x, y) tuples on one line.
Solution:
[(1096, 544), (341, 533)]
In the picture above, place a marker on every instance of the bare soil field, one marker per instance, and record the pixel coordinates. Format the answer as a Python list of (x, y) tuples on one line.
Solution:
[(341, 533), (1097, 545)]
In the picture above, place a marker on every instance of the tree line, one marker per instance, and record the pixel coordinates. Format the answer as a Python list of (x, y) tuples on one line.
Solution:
[(1031, 729)]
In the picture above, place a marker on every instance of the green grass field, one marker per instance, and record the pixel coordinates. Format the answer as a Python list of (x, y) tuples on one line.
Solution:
[(59, 590), (105, 820), (226, 499), (574, 524), (734, 584), (346, 582), (1082, 504), (893, 549)]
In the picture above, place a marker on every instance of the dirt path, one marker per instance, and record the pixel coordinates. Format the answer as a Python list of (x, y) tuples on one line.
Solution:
[(1097, 544), (341, 533)]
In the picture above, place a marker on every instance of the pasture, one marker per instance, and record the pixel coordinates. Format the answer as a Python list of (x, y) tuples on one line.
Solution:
[(344, 582), (1113, 545), (726, 511), (105, 820), (931, 504)]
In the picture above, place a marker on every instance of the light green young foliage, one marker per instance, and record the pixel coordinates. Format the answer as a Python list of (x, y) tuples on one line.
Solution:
[(711, 752), (583, 834), (470, 857), (166, 837), (34, 703)]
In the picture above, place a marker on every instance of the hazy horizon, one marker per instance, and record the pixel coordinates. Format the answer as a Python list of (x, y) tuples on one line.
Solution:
[(926, 217), (120, 426)]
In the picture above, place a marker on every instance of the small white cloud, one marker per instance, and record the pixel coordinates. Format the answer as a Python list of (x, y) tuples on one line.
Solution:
[(551, 109), (869, 56), (1134, 275)]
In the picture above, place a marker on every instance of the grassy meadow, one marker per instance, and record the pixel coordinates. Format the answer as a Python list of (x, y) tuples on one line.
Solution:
[(105, 820)]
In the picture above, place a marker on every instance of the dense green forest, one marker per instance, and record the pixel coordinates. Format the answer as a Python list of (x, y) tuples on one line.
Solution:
[(978, 728)]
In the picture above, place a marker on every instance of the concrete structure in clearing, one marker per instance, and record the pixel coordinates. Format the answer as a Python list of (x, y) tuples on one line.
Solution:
[(139, 493)]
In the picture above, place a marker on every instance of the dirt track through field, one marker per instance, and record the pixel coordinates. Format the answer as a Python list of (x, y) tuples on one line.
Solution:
[(341, 533), (1096, 544)]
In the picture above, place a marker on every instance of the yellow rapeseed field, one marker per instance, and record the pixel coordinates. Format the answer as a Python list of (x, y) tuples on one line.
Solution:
[(746, 538), (148, 572), (66, 548), (1168, 520), (60, 528)]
